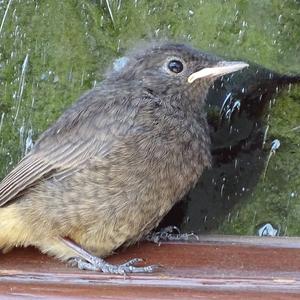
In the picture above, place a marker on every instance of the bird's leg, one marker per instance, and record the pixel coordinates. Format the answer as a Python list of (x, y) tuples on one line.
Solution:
[(87, 261), (170, 233)]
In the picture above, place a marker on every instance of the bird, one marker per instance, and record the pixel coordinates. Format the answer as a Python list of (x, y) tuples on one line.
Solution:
[(115, 162)]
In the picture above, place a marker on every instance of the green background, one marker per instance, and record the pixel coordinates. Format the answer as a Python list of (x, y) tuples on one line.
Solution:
[(52, 51)]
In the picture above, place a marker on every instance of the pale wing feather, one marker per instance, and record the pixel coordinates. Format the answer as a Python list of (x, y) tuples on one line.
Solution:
[(43, 165), (22, 177)]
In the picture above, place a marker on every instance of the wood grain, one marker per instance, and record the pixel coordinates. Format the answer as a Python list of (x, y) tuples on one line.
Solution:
[(212, 268)]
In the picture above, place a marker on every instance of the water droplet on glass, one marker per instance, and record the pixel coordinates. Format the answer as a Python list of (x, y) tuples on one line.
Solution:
[(267, 230)]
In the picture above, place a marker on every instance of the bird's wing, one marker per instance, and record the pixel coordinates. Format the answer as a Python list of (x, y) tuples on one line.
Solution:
[(57, 159), (77, 136)]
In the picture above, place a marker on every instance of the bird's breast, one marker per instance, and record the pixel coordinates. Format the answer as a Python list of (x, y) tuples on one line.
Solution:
[(172, 153)]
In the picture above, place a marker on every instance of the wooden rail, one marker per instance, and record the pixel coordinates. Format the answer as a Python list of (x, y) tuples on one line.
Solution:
[(215, 267)]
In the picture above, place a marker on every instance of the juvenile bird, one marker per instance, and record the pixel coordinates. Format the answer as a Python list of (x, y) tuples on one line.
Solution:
[(110, 168)]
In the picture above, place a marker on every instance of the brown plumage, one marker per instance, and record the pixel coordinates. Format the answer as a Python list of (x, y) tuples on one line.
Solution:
[(114, 163)]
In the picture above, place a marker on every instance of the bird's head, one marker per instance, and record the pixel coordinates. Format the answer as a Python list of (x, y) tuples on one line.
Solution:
[(170, 69)]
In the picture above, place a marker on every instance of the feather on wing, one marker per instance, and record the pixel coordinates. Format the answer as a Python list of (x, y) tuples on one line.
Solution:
[(78, 135)]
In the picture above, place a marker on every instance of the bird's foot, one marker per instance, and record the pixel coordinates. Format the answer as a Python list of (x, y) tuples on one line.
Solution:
[(99, 264), (170, 233), (87, 261)]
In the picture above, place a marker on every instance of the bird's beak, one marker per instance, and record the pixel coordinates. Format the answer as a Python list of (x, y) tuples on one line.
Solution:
[(220, 69)]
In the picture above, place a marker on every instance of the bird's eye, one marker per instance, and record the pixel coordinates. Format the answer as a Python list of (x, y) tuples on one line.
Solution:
[(175, 66)]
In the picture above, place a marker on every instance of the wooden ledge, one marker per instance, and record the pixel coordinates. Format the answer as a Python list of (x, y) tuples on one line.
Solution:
[(212, 268)]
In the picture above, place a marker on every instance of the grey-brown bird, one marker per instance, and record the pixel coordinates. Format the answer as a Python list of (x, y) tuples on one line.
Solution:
[(110, 168)]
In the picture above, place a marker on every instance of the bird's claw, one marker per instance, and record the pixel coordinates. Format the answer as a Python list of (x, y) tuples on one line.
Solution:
[(99, 264), (167, 234)]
